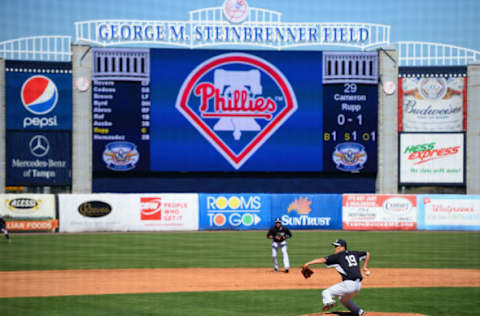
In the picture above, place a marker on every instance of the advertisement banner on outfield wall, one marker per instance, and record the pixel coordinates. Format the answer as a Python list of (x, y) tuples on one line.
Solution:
[(234, 211), (164, 212), (432, 158), (432, 99), (449, 212), (128, 212), (27, 206), (379, 212), (308, 211), (94, 212)]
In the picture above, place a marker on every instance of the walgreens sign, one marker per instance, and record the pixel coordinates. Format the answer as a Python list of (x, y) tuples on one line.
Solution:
[(432, 158)]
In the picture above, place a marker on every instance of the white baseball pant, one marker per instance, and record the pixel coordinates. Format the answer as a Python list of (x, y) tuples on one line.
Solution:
[(286, 260), (345, 290)]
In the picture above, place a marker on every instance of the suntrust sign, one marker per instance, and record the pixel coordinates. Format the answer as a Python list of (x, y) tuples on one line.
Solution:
[(233, 23)]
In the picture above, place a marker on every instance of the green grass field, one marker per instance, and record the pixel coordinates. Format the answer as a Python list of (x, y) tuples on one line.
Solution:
[(238, 249)]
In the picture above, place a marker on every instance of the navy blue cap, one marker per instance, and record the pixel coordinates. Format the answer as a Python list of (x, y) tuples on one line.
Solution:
[(278, 220), (340, 243)]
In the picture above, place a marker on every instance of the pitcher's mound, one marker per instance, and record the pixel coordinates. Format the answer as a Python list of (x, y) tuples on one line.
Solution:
[(368, 314)]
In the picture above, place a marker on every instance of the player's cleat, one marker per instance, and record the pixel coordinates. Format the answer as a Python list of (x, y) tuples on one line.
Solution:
[(275, 270), (328, 306), (286, 270), (363, 313)]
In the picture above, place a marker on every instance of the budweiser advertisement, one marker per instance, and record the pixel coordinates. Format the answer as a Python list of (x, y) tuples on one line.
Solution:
[(379, 212), (432, 158), (432, 99)]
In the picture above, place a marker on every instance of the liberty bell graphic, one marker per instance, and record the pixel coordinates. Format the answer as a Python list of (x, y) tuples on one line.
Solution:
[(232, 84)]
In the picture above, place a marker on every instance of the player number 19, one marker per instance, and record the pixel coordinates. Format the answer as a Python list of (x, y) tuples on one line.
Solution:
[(352, 262)]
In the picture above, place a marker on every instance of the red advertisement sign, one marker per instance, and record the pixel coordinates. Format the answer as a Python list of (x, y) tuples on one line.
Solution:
[(150, 208), (49, 225)]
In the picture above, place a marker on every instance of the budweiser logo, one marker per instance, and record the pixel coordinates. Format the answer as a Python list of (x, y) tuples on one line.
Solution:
[(236, 101)]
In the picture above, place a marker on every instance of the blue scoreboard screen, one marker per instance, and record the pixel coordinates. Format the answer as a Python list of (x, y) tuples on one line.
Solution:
[(175, 110)]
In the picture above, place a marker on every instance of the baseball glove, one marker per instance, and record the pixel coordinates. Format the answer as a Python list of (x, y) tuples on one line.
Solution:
[(306, 271)]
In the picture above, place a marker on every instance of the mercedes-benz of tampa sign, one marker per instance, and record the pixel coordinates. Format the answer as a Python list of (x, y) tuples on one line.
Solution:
[(233, 23)]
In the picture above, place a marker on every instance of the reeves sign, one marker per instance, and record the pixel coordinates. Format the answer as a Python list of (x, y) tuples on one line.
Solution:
[(434, 158)]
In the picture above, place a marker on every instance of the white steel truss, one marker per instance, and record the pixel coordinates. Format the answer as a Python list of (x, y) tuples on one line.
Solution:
[(43, 48), (434, 54)]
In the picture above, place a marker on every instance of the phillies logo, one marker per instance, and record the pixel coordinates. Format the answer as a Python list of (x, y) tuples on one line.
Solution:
[(236, 101), (39, 95)]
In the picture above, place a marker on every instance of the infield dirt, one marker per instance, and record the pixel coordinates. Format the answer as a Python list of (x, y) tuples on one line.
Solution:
[(127, 281)]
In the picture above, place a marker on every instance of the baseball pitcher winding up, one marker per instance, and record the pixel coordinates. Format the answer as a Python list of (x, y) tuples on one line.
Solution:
[(347, 263)]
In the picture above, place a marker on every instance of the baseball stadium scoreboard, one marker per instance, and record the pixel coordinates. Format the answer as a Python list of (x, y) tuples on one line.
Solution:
[(175, 110), (121, 110)]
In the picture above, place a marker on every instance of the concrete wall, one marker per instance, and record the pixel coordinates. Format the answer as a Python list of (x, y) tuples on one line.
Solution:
[(387, 124), (82, 121), (473, 129)]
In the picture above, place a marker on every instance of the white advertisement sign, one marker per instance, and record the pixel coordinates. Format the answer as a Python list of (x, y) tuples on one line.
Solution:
[(165, 212), (27, 206), (93, 212), (128, 212), (379, 212), (433, 103), (452, 212), (432, 158)]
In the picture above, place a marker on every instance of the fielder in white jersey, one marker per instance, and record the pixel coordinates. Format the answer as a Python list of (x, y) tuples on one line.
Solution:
[(279, 235), (347, 263)]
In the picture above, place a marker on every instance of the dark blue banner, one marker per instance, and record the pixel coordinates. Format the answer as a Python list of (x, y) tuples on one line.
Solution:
[(218, 110), (308, 211), (38, 158), (234, 211), (38, 95)]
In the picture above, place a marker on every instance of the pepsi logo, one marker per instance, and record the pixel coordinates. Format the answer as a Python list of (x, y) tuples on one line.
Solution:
[(39, 95), (236, 101)]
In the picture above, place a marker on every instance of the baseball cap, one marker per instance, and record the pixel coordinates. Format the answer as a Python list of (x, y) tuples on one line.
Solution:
[(340, 243), (278, 220)]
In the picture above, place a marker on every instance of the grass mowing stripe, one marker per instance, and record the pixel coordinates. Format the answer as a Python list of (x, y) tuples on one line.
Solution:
[(232, 249), (428, 301)]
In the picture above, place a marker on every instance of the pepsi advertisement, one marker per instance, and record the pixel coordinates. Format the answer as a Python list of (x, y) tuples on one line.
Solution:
[(38, 158), (218, 110), (38, 95), (308, 211), (234, 211)]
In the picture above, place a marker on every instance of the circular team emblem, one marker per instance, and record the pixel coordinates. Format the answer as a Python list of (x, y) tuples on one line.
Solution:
[(39, 95), (121, 156), (236, 11), (236, 101), (349, 156)]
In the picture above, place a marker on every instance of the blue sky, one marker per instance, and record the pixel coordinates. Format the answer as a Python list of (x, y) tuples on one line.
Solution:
[(442, 21)]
